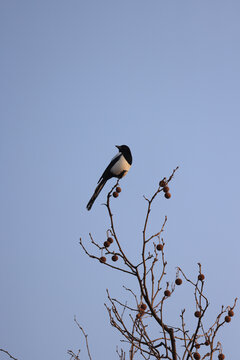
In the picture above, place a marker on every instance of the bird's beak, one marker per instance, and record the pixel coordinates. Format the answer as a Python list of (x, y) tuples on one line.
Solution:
[(117, 146)]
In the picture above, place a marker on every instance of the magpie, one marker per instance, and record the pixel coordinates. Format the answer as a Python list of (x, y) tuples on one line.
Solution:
[(118, 167)]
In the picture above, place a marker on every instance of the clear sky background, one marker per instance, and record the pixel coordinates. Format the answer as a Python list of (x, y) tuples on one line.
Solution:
[(78, 77)]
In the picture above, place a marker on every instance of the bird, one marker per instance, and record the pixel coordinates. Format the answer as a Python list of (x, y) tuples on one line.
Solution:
[(118, 167)]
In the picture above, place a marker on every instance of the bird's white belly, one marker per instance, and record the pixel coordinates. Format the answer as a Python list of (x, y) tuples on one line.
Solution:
[(120, 166)]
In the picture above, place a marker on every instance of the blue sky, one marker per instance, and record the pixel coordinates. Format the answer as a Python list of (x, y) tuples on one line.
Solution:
[(78, 77)]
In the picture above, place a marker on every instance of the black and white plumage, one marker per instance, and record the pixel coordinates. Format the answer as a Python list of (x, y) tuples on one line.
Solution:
[(118, 167)]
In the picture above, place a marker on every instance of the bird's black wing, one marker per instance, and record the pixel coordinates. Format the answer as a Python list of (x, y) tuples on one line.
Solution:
[(107, 173)]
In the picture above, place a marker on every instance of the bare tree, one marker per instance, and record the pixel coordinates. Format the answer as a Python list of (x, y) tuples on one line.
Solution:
[(145, 325)]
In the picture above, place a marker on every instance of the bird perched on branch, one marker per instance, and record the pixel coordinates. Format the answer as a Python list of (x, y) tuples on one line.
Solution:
[(118, 167)]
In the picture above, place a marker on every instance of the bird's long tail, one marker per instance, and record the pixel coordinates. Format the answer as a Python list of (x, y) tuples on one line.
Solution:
[(96, 193)]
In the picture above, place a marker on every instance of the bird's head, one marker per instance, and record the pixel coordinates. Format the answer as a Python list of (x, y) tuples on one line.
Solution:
[(122, 148)]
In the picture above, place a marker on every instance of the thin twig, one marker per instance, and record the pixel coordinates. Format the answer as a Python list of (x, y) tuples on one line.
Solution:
[(6, 352), (85, 336)]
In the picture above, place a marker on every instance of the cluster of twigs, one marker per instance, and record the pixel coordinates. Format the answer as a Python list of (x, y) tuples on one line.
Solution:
[(134, 322)]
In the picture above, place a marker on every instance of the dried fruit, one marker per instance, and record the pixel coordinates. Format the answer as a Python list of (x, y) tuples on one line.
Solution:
[(102, 259), (228, 319), (110, 240), (207, 343), (221, 357), (197, 314), (197, 346), (178, 281), (118, 189), (106, 244), (114, 258), (196, 356), (143, 306), (159, 247), (115, 194), (167, 293), (231, 313), (166, 189), (167, 195), (201, 277), (162, 183)]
